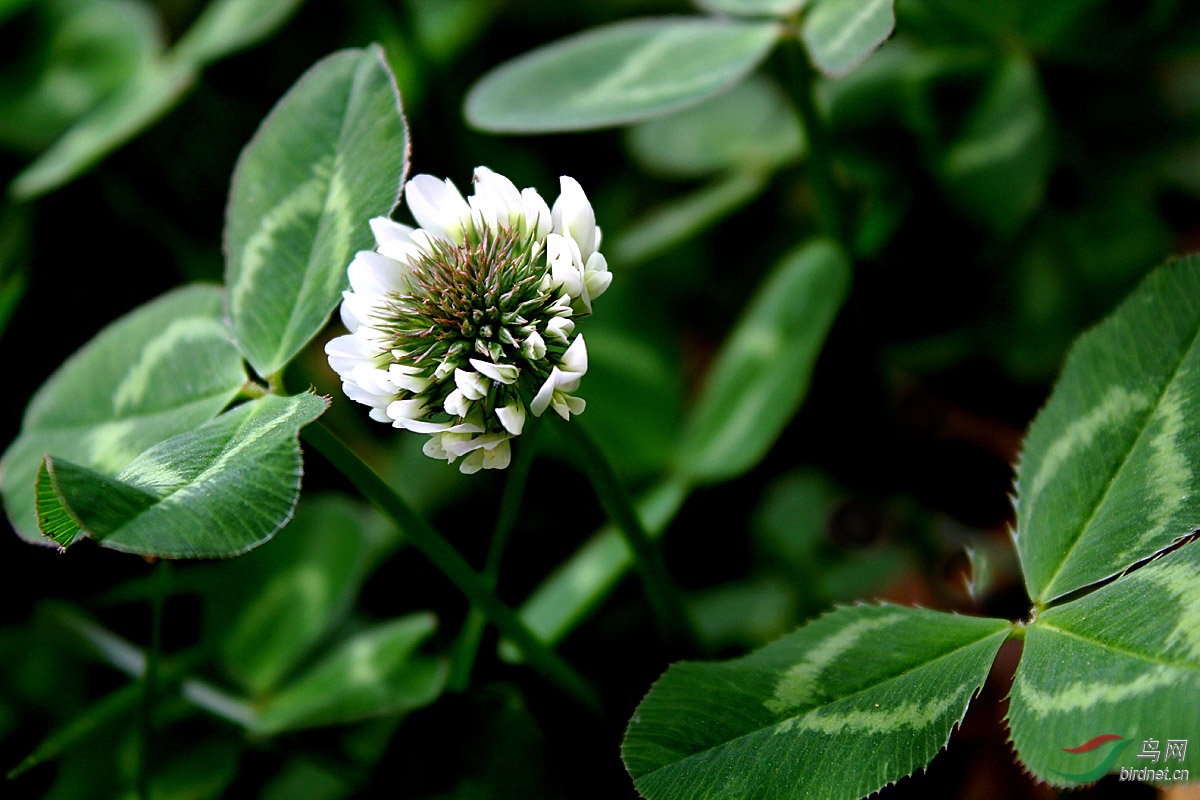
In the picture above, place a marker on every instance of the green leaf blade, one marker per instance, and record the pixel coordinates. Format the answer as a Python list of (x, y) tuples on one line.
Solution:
[(762, 372), (227, 26), (1124, 659), (753, 8), (793, 721), (217, 491), (840, 34), (301, 586), (1111, 460), (998, 168), (617, 74), (374, 673), (146, 97), (160, 370), (332, 154), (752, 126)]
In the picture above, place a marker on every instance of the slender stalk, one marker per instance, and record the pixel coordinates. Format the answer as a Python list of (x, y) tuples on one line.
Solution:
[(820, 152), (661, 589), (422, 536), (150, 676), (506, 521)]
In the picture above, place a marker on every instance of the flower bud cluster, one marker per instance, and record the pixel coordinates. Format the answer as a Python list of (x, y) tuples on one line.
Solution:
[(461, 326)]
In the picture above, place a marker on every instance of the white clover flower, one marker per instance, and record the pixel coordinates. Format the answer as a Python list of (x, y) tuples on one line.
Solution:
[(457, 325)]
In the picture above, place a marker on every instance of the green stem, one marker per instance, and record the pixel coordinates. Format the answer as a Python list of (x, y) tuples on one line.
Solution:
[(820, 152), (661, 589), (452, 565), (506, 522), (162, 576)]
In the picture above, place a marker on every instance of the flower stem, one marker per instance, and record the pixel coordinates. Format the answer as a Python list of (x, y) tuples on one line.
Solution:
[(820, 152), (422, 536), (661, 589), (162, 575), (506, 521)]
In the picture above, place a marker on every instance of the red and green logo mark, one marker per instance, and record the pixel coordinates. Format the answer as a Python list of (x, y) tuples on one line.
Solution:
[(1115, 745)]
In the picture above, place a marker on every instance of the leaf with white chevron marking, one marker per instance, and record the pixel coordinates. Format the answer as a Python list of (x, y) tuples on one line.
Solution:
[(332, 154), (160, 370), (219, 490), (842, 707), (1110, 473)]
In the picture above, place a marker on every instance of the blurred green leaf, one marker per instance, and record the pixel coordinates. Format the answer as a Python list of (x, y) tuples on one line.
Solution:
[(998, 167), (617, 74), (156, 86), (91, 49), (445, 27), (754, 8), (753, 126), (10, 7), (1112, 458), (307, 579), (15, 236), (580, 583), (373, 673), (332, 154), (218, 490), (227, 26), (1124, 659), (840, 34), (635, 397), (160, 370), (302, 779), (678, 220), (826, 711), (89, 722), (760, 376), (792, 519), (198, 770), (139, 102), (743, 613)]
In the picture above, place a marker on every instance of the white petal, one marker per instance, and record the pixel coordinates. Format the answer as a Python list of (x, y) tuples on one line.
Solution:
[(597, 283), (373, 273), (534, 346), (573, 215), (461, 444), (560, 328), (471, 384), (498, 457), (433, 448), (437, 206), (374, 380), (575, 404), (403, 377), (537, 214), (575, 358), (387, 230), (421, 426), (361, 310), (512, 417), (361, 395), (347, 352), (456, 405), (542, 399), (379, 415), (405, 252), (497, 194), (472, 463), (501, 373), (403, 410)]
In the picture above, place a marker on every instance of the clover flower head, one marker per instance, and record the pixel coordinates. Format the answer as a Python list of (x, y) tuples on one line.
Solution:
[(461, 326)]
